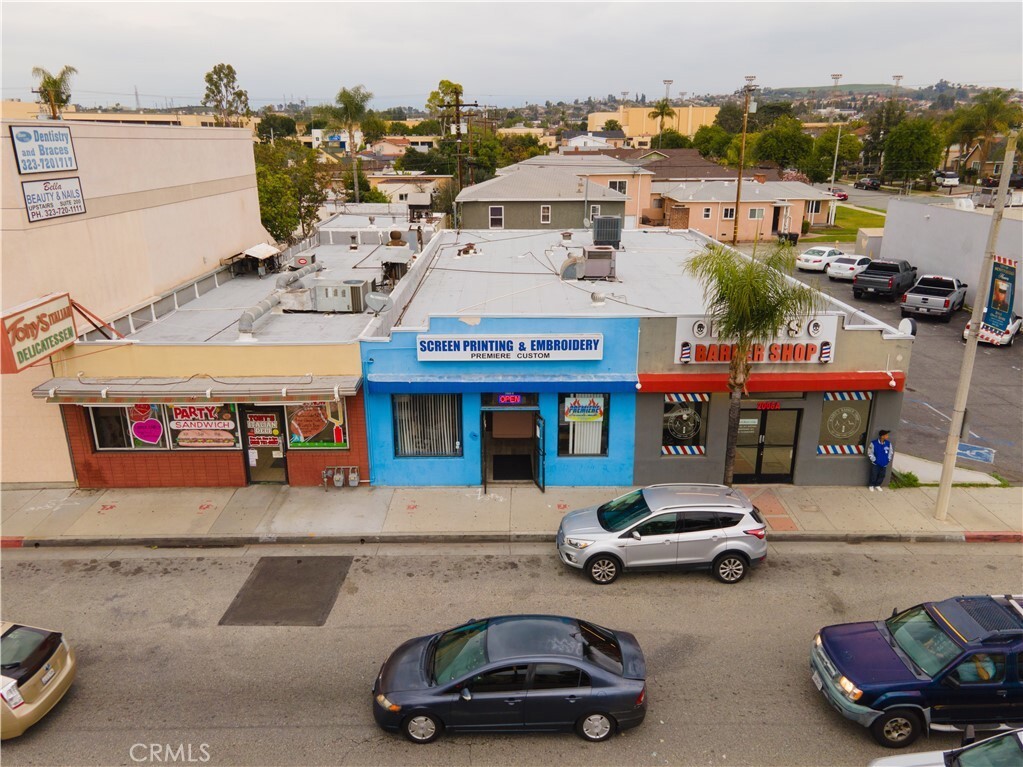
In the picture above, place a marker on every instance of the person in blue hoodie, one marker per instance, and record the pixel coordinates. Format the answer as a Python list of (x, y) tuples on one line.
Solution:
[(880, 453)]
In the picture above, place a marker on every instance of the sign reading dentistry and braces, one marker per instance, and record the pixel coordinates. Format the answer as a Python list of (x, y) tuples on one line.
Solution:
[(811, 339), (34, 331), (53, 198), (43, 150), (486, 348)]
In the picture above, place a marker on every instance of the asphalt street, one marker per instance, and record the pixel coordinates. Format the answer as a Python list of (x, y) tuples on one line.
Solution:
[(728, 678), (995, 406), (879, 200)]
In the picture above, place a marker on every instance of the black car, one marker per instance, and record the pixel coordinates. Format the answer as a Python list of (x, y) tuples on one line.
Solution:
[(513, 673), (868, 183)]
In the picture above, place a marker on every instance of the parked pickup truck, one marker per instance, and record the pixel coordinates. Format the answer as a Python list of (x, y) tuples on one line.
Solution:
[(884, 278), (935, 296)]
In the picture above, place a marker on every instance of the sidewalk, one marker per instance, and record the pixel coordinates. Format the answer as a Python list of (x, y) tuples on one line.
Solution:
[(175, 517)]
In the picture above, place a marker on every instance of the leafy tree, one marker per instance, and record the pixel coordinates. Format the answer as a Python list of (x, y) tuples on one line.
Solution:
[(612, 125), (965, 129), (348, 111), (995, 113), (278, 208), (432, 162), (428, 128), (729, 117), (397, 128), (914, 147), (394, 114), (818, 165), (712, 140), (366, 191), (671, 139), (55, 90), (662, 109), (518, 148), (767, 115), (373, 127), (880, 124), (784, 143), (445, 94), (308, 178), (748, 298), (731, 155), (224, 96), (274, 126)]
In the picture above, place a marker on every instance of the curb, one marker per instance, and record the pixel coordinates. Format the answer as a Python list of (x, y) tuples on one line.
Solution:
[(210, 542)]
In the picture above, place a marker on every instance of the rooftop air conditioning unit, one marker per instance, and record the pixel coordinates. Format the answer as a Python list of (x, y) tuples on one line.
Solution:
[(607, 230), (600, 262), (340, 296)]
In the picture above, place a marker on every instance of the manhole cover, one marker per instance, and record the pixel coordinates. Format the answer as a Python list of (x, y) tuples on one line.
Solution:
[(288, 591)]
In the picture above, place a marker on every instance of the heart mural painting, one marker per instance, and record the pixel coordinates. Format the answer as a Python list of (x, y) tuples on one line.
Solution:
[(149, 431)]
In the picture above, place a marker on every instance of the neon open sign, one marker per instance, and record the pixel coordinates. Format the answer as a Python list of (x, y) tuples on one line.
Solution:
[(509, 399)]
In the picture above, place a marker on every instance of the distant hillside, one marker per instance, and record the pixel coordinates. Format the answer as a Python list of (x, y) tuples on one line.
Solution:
[(802, 90)]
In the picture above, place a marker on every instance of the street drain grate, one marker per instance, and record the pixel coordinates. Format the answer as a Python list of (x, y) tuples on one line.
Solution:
[(288, 591)]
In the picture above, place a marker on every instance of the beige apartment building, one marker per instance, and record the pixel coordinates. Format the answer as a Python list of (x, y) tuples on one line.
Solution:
[(117, 216), (637, 122)]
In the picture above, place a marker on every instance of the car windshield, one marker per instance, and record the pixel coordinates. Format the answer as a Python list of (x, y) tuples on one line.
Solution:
[(601, 647), (618, 514), (923, 640), (815, 252), (996, 752), (18, 644), (458, 652), (845, 261)]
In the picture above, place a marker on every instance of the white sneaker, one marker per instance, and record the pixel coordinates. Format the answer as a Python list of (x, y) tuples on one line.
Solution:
[(871, 488), (880, 489)]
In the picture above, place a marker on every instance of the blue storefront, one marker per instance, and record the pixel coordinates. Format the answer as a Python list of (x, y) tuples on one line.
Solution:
[(476, 401)]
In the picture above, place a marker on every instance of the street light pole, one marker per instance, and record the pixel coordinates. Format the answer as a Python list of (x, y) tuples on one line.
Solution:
[(747, 89), (667, 87), (979, 303), (833, 210)]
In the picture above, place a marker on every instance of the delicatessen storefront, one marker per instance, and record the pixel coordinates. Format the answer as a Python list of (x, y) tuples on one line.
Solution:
[(202, 431)]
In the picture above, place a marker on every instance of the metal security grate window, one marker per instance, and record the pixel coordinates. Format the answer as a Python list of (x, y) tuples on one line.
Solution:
[(427, 425)]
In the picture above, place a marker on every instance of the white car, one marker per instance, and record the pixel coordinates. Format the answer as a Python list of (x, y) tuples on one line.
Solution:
[(1004, 749), (847, 267), (1004, 339), (946, 178), (817, 259)]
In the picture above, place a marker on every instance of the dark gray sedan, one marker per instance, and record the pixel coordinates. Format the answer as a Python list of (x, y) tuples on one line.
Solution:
[(513, 673)]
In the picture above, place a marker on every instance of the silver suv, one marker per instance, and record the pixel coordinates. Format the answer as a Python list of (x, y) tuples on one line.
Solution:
[(685, 526)]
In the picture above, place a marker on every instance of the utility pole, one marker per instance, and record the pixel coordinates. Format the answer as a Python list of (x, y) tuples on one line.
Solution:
[(897, 79), (747, 89), (458, 131), (834, 166), (979, 304), (667, 102)]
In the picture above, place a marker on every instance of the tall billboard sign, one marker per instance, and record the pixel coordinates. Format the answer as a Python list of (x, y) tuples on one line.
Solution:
[(998, 311)]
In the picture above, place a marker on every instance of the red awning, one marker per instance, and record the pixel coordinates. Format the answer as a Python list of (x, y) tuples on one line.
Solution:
[(873, 380)]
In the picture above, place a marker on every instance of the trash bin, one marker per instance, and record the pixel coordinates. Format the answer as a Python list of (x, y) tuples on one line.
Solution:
[(793, 237)]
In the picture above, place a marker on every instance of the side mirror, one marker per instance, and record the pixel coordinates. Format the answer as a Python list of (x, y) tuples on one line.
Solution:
[(465, 694), (963, 285), (636, 535)]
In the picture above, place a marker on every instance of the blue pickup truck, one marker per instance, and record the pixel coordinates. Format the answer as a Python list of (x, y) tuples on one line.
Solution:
[(939, 665)]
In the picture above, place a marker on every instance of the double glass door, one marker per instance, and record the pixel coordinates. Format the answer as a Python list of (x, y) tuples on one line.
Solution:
[(766, 447)]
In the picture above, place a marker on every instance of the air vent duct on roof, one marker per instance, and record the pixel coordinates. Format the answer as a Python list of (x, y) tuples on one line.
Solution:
[(607, 230)]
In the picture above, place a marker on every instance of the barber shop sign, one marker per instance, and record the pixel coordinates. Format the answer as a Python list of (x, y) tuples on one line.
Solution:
[(804, 340)]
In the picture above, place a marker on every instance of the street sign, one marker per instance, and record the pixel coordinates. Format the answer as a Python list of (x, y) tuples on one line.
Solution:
[(334, 137), (975, 453)]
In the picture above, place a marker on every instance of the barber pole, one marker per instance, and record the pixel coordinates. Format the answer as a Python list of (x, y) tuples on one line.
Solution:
[(687, 353), (825, 352)]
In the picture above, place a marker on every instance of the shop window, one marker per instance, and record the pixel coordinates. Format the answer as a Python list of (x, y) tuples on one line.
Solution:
[(684, 430), (728, 214), (138, 427), (318, 425), (427, 425), (545, 214), (844, 423), (203, 427), (582, 424)]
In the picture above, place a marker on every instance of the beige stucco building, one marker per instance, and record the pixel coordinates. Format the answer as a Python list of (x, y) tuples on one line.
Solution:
[(637, 122), (160, 207)]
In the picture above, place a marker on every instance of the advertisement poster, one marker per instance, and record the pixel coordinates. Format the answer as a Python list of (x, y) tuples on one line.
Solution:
[(998, 314), (145, 423), (54, 198), (203, 427), (584, 410), (317, 425), (262, 430), (43, 149)]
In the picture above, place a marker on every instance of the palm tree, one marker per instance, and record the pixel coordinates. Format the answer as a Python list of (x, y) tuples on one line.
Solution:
[(347, 112), (55, 89), (966, 128), (748, 299), (995, 113), (662, 109)]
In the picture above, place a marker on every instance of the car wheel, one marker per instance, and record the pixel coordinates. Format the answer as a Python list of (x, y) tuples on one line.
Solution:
[(595, 727), (831, 278), (1012, 337), (603, 569), (857, 294), (897, 728), (730, 567), (947, 318), (422, 728), (903, 313)]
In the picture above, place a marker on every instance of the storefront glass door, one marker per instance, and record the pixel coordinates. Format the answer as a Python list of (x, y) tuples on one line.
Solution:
[(263, 428), (766, 446)]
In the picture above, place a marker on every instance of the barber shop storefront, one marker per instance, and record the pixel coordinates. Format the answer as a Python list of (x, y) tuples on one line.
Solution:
[(816, 397), (202, 432), (504, 401)]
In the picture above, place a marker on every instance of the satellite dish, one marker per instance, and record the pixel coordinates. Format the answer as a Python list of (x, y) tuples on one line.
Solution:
[(908, 325), (378, 302)]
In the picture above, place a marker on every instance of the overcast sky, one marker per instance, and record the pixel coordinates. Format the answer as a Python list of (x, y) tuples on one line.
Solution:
[(504, 54)]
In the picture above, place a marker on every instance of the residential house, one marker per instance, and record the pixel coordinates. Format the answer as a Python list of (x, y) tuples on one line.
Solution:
[(992, 167), (592, 141), (537, 198)]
